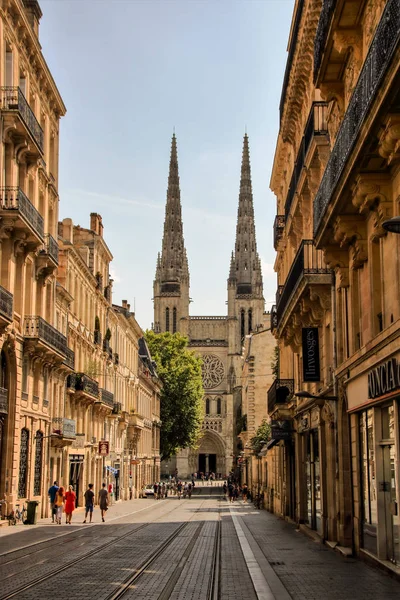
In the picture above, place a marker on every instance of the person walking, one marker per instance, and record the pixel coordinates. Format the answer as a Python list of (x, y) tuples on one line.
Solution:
[(89, 502), (52, 496), (70, 498), (103, 501), (59, 504)]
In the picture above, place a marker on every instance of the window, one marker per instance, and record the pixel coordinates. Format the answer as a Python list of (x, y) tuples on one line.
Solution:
[(25, 371), (242, 324), (207, 406), (368, 481), (37, 482), (167, 319), (219, 406), (174, 320), (9, 68), (45, 384), (250, 319)]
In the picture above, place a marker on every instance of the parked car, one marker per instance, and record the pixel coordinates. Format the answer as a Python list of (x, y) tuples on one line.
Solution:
[(147, 491)]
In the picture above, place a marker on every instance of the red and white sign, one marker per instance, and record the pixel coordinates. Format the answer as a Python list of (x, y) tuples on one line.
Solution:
[(104, 448)]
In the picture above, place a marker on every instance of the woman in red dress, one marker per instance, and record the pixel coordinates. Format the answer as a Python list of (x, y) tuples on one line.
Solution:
[(69, 508)]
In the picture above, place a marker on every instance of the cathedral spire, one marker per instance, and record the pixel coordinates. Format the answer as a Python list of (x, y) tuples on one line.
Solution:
[(246, 260)]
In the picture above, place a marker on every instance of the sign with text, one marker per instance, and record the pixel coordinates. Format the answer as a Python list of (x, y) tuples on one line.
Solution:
[(104, 448), (311, 368), (384, 379), (281, 430)]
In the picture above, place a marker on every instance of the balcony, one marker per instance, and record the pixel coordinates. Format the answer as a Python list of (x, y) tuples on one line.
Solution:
[(280, 392), (38, 333), (51, 247), (63, 432), (325, 18), (69, 359), (308, 267), (15, 206), (6, 307), (136, 421), (316, 127), (107, 398), (47, 259), (83, 385), (14, 104), (117, 408), (274, 320), (3, 401), (279, 226), (382, 48)]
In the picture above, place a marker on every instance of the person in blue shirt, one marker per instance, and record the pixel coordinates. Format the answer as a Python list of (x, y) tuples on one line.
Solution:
[(52, 495)]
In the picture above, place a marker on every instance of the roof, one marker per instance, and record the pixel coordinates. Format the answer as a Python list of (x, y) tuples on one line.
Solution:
[(145, 357)]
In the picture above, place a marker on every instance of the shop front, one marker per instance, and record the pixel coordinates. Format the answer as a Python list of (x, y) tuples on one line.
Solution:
[(373, 401)]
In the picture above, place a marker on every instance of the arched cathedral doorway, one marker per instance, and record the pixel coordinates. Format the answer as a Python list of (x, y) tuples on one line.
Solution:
[(209, 457)]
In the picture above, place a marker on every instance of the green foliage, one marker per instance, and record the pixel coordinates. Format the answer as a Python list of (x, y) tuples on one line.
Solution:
[(108, 335), (182, 393), (97, 324), (262, 436), (275, 362)]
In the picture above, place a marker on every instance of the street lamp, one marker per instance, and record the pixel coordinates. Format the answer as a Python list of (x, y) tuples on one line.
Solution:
[(392, 225), (319, 400)]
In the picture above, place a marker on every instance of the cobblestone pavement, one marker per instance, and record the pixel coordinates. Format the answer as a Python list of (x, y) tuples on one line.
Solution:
[(197, 549)]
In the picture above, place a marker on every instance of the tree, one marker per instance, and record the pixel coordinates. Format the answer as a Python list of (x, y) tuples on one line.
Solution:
[(275, 362), (181, 409), (262, 436)]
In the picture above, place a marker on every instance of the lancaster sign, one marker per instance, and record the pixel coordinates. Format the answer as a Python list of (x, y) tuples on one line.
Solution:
[(384, 379)]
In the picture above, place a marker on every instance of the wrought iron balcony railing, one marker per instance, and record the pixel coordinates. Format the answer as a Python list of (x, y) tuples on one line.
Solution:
[(308, 261), (325, 18), (13, 198), (280, 392), (3, 401), (279, 226), (274, 320), (316, 126), (38, 328), (69, 359), (51, 247), (64, 427), (12, 99), (107, 397), (380, 53), (6, 304), (81, 382), (117, 408)]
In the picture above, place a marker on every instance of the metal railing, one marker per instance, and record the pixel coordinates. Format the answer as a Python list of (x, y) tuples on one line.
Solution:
[(6, 303), (69, 359), (381, 50), (83, 383), (316, 125), (3, 401), (308, 261), (280, 392), (13, 99), (51, 247), (107, 397), (117, 408), (13, 198), (279, 226), (64, 427), (38, 328), (274, 319), (325, 18)]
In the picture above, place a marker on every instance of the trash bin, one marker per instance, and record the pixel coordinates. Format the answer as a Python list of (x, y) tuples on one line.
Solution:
[(31, 513)]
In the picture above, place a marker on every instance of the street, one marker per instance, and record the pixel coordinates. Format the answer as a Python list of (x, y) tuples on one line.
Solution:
[(198, 548)]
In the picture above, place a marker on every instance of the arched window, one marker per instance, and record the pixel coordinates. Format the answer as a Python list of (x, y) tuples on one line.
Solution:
[(207, 406), (3, 371), (37, 481), (23, 463), (167, 319), (242, 324), (219, 406), (250, 319), (174, 320)]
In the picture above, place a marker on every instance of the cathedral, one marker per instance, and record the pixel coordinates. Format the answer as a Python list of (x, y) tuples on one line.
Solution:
[(217, 339)]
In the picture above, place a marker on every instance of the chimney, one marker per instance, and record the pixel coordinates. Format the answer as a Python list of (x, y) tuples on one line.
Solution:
[(124, 303), (66, 230), (96, 224), (33, 13)]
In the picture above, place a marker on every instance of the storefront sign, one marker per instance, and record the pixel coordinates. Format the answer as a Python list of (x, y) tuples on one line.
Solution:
[(311, 370), (384, 379), (104, 448), (281, 430)]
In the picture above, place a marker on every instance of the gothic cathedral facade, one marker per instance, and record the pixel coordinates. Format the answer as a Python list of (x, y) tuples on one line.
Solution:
[(217, 339)]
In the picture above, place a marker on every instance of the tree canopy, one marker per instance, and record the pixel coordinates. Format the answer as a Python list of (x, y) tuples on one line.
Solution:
[(263, 434), (181, 409)]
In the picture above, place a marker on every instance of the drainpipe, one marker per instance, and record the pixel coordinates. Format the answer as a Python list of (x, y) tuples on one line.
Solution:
[(335, 404)]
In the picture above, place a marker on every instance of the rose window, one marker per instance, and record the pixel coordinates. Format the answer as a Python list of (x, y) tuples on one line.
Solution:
[(213, 371)]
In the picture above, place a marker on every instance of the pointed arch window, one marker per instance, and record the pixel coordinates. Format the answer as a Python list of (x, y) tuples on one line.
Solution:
[(245, 266), (242, 324), (37, 482), (219, 406), (174, 320), (167, 319), (250, 320), (208, 406)]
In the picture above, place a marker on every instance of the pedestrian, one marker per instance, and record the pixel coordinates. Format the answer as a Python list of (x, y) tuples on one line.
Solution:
[(89, 502), (70, 498), (110, 493), (230, 492), (155, 488), (245, 491), (52, 496), (225, 488), (189, 490), (103, 501), (59, 504), (179, 489)]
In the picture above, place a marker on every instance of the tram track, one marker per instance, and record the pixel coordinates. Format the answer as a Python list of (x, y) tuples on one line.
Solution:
[(126, 584)]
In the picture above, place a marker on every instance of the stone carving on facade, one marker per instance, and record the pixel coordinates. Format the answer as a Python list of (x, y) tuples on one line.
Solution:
[(372, 15), (213, 371), (327, 415), (334, 118)]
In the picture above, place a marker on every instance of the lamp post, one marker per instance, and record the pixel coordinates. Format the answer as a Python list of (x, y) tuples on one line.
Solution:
[(319, 400), (392, 225)]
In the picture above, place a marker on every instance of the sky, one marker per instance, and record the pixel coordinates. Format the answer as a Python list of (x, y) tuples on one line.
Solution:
[(129, 72)]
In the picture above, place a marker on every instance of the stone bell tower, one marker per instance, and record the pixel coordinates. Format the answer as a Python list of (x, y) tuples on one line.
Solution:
[(171, 283)]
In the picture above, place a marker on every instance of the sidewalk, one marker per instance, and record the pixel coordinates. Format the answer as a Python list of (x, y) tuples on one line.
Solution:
[(310, 570)]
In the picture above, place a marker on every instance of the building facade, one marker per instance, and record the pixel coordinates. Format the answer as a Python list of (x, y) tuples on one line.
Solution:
[(335, 176), (217, 339)]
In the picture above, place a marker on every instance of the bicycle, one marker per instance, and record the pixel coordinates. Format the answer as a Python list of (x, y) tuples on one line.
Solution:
[(20, 515)]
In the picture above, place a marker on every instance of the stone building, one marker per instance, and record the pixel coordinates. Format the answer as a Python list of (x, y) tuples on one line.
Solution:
[(217, 339), (336, 179), (35, 359)]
